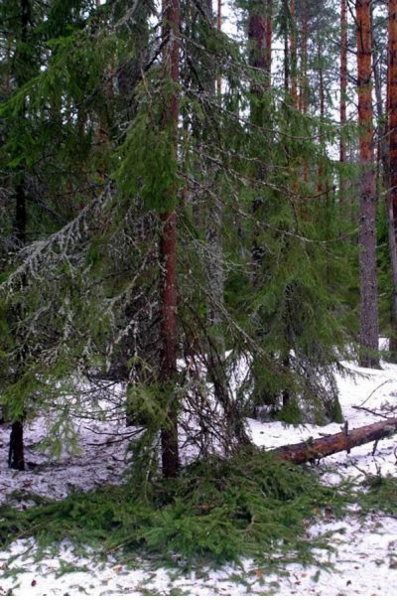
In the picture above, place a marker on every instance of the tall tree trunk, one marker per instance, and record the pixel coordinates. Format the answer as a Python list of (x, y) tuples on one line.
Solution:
[(219, 28), (369, 328), (303, 103), (320, 171), (303, 84), (293, 51), (287, 64), (343, 96), (168, 249), (16, 459), (214, 215), (16, 447), (268, 44), (259, 37), (392, 166)]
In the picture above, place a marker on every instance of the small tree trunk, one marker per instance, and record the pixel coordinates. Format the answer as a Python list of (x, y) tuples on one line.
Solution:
[(16, 459)]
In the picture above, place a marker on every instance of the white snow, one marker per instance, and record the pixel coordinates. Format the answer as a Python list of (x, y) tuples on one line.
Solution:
[(365, 557)]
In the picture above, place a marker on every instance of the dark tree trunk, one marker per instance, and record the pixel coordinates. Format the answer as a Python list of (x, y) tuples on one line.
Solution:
[(169, 434), (16, 447), (16, 459), (369, 328), (338, 442), (20, 214), (167, 251)]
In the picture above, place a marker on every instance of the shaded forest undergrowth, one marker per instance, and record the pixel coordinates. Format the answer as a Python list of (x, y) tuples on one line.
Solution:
[(217, 511)]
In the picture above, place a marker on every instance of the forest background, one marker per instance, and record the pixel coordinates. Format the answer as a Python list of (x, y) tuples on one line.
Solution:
[(177, 202)]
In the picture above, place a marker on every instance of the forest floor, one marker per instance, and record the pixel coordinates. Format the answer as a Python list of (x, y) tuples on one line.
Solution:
[(364, 556)]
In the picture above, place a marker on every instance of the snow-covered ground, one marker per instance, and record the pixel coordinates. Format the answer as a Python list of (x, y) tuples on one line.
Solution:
[(365, 557)]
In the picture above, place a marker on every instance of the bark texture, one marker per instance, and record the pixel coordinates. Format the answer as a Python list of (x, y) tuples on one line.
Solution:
[(168, 251), (293, 50), (343, 94), (369, 328), (214, 211), (338, 442), (392, 170), (16, 448), (260, 32)]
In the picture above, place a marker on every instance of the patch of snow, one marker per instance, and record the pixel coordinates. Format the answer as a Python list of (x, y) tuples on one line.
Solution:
[(364, 563)]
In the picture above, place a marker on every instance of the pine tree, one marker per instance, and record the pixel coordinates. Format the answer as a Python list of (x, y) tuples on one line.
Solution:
[(369, 330), (392, 163), (343, 93)]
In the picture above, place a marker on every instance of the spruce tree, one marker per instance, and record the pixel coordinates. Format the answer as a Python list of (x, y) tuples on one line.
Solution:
[(153, 149)]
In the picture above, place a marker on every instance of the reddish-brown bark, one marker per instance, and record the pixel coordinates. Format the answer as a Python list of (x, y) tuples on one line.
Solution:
[(260, 34), (369, 328), (269, 38), (320, 173), (303, 84), (338, 442), (219, 28), (343, 97), (293, 50), (257, 31), (303, 103), (287, 73), (343, 78), (392, 166), (168, 249)]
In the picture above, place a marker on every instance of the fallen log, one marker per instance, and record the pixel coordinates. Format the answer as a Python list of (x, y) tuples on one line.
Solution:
[(314, 449)]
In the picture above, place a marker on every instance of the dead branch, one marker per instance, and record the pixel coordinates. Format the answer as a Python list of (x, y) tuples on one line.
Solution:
[(314, 449)]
